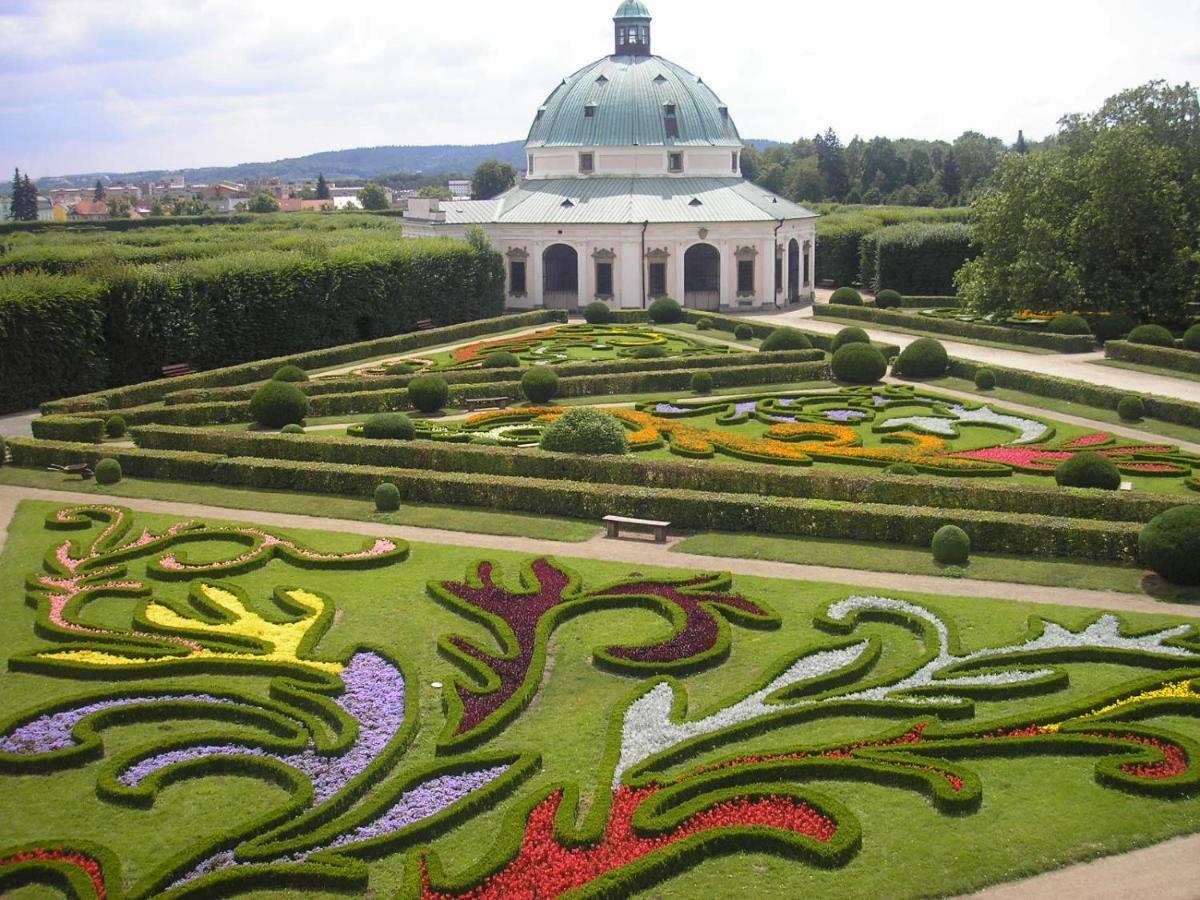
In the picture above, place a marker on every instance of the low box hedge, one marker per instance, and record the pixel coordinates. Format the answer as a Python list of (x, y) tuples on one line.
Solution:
[(69, 428), (813, 484), (1159, 357), (1061, 343), (689, 509), (1165, 409), (761, 329)]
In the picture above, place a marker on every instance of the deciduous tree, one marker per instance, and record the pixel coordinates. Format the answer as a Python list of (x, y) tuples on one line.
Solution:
[(492, 178)]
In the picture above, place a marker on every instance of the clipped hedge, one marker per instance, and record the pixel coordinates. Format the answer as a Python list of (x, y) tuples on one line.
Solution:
[(1062, 343), (1150, 355), (689, 509), (763, 330), (916, 257), (69, 428)]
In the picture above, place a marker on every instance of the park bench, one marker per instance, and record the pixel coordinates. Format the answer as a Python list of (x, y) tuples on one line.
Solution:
[(616, 523), (424, 324), (174, 370), (83, 470), (474, 404)]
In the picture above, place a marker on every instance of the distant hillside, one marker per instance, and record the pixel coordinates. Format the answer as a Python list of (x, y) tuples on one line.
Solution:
[(336, 165)]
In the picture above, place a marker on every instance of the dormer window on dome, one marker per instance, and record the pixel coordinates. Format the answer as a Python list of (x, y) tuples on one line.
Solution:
[(632, 23), (670, 121)]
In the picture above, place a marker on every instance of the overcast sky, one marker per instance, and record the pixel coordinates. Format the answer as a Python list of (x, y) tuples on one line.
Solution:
[(121, 85)]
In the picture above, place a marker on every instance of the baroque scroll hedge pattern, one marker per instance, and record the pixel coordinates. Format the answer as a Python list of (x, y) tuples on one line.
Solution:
[(369, 774)]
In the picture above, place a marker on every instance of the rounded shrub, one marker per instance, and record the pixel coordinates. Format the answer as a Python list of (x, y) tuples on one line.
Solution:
[(278, 403), (1131, 408), (923, 358), (597, 313), (651, 351), (664, 311), (851, 335), (1088, 470), (292, 429), (585, 431), (108, 471), (428, 393), (846, 296), (888, 299), (858, 364), (387, 497), (704, 323), (399, 368), (1068, 325), (290, 373), (501, 360), (1169, 544), (115, 427), (539, 384), (786, 339), (702, 383), (1154, 335), (1111, 328), (1191, 338), (743, 332), (985, 379), (951, 545), (901, 469), (389, 426)]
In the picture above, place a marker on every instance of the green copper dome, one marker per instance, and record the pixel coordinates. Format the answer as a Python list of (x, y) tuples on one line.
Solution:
[(631, 99), (632, 9)]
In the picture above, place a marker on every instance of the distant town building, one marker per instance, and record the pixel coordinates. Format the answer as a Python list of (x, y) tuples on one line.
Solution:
[(460, 190)]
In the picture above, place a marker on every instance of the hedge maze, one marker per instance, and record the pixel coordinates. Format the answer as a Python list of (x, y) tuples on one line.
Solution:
[(502, 735)]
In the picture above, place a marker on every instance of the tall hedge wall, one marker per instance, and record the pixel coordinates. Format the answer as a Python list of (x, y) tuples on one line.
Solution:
[(916, 258)]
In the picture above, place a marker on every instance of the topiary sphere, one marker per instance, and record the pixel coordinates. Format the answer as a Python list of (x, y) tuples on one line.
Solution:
[(290, 373), (597, 313), (1154, 335), (704, 323), (846, 296), (664, 311), (888, 299), (278, 403), (951, 545), (1191, 338), (901, 469), (1111, 328), (1170, 544), (389, 426), (702, 383), (786, 339), (743, 332), (985, 379), (923, 358), (1131, 408), (585, 431), (292, 429), (1088, 470), (428, 393), (501, 360), (851, 335), (108, 471), (858, 364), (387, 497), (115, 427), (1068, 325), (651, 351), (539, 384)]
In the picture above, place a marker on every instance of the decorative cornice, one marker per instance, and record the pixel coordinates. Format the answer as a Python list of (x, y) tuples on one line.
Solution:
[(658, 254), (601, 255), (743, 253), (517, 253)]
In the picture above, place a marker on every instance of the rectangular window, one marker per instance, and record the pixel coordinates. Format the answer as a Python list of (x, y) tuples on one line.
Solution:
[(733, 160), (516, 277), (674, 162), (589, 112), (587, 162), (745, 276), (658, 279), (779, 274), (529, 165), (604, 279)]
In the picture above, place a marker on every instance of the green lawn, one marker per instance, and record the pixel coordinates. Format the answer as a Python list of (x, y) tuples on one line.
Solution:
[(1039, 810), (810, 551)]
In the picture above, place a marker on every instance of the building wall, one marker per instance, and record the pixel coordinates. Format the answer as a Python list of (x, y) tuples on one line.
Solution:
[(563, 162)]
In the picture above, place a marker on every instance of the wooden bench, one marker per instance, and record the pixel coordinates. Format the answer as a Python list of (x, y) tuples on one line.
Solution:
[(424, 324), (616, 523), (474, 404), (83, 470), (174, 370)]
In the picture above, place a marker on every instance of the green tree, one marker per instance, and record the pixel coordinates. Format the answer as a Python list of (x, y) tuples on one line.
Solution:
[(804, 181), (1021, 146), (373, 196), (977, 157), (831, 161), (323, 188), (99, 193), (194, 206), (492, 178), (435, 192), (950, 179), (263, 202)]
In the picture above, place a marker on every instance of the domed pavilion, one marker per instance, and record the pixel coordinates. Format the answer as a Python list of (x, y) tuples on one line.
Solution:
[(633, 190)]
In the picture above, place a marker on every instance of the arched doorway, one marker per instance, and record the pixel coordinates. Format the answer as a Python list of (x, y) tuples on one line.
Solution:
[(702, 277), (560, 277), (793, 272)]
